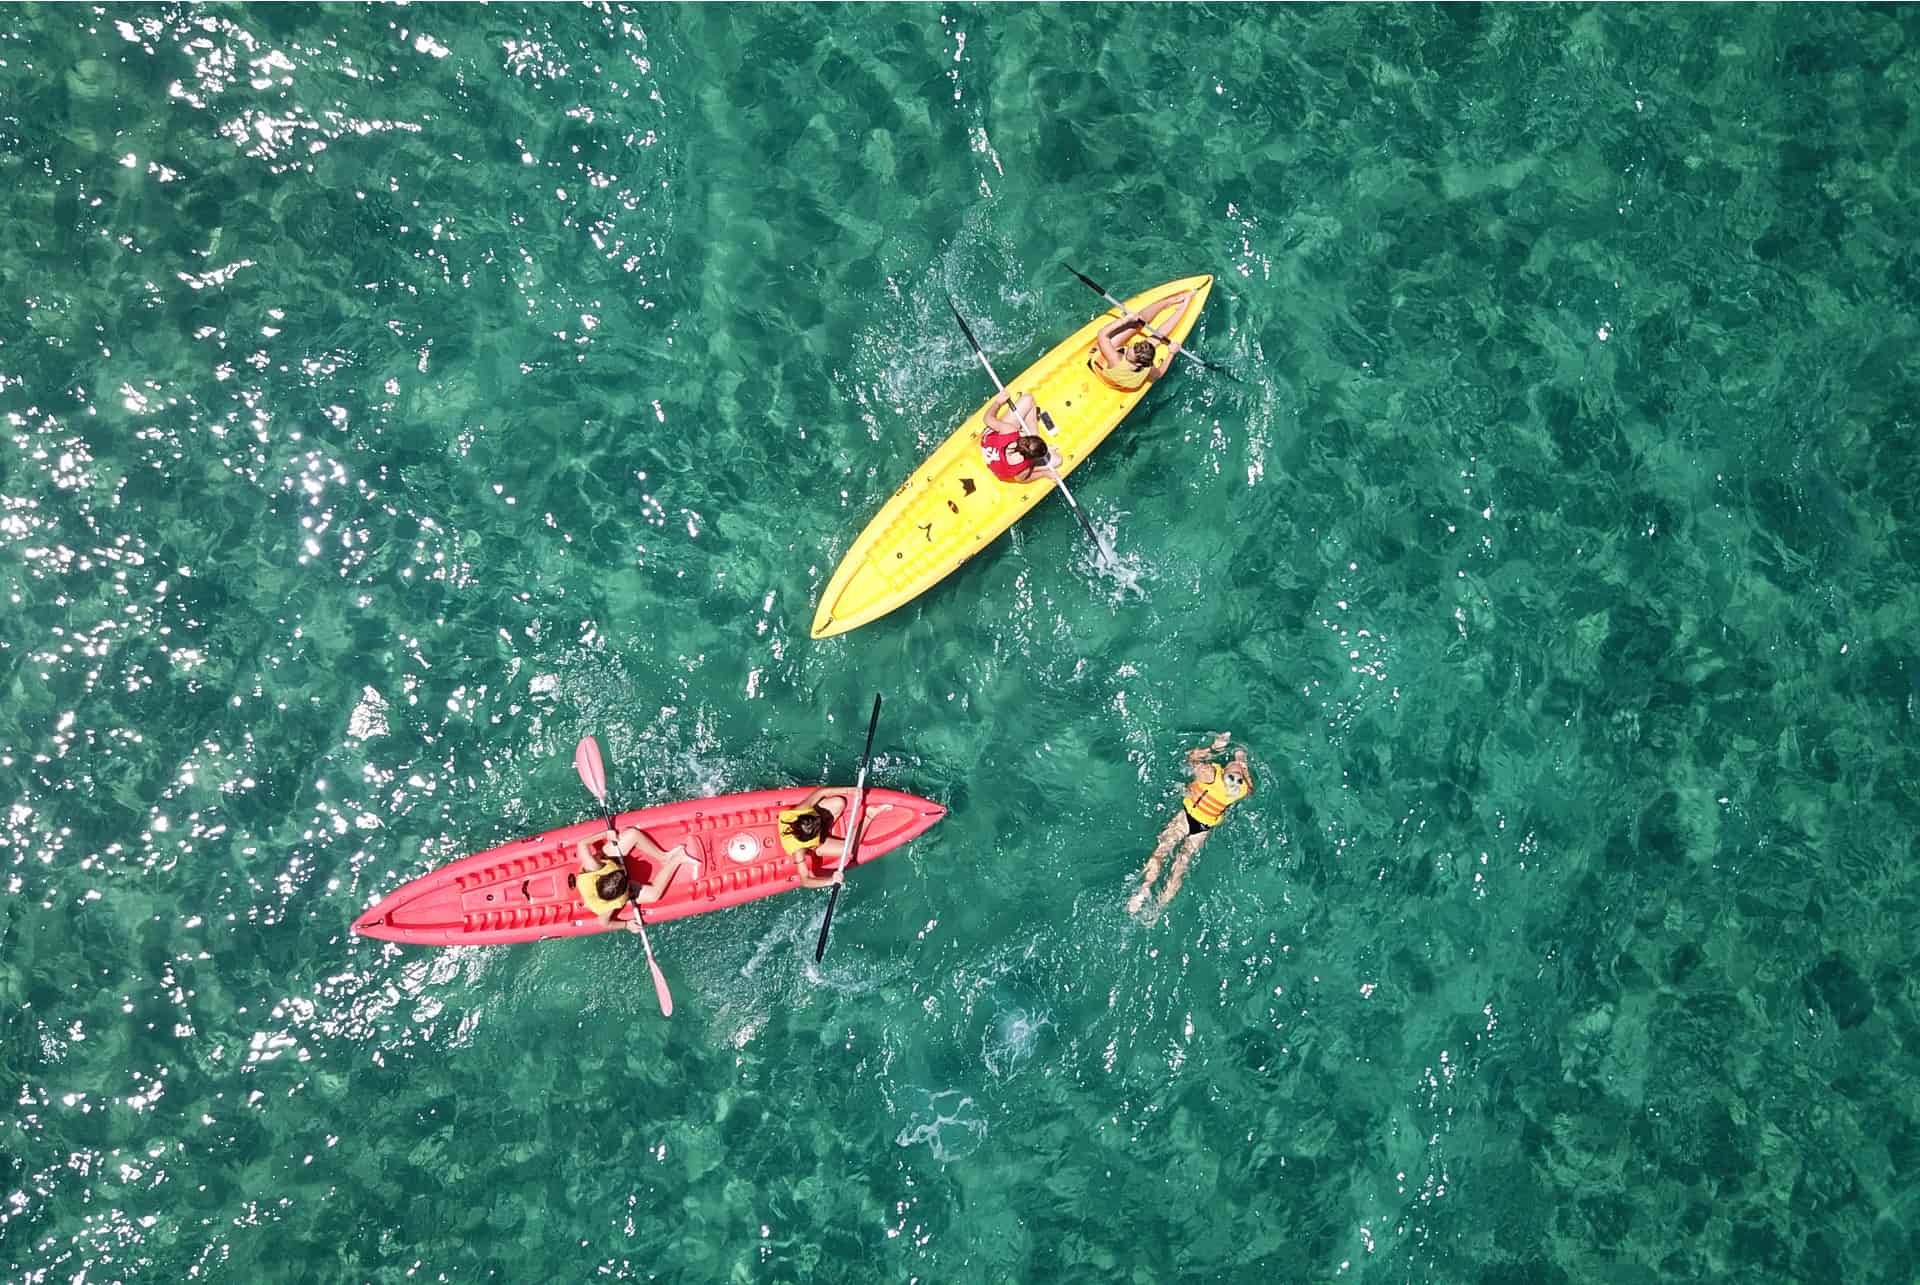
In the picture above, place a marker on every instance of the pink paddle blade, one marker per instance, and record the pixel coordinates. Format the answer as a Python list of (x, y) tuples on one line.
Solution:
[(660, 986), (593, 773)]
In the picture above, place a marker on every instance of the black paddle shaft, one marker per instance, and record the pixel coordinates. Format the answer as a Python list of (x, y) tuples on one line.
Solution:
[(973, 343), (854, 826)]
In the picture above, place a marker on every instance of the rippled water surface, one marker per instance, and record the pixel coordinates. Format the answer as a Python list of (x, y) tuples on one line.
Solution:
[(393, 396)]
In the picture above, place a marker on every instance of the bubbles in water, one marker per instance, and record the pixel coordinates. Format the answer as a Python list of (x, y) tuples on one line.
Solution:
[(1126, 574), (792, 939), (948, 1122), (1011, 1039)]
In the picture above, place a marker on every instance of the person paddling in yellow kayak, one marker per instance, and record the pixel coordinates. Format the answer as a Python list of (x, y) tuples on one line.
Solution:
[(804, 828), (1008, 443), (603, 884), (1212, 790), (1124, 356)]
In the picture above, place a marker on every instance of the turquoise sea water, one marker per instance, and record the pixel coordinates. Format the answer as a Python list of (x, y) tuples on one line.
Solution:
[(393, 396)]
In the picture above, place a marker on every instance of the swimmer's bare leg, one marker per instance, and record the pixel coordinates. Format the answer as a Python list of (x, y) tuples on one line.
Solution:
[(1186, 855), (1145, 889), (1169, 836)]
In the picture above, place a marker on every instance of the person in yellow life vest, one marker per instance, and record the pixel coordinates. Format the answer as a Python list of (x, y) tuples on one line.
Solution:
[(1213, 789), (804, 831), (603, 883), (1125, 356)]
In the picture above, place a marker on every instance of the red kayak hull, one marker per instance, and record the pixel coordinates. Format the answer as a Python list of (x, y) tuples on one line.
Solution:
[(520, 891)]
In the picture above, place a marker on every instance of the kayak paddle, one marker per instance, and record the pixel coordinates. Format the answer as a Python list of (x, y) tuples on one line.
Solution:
[(850, 847), (1106, 554), (1125, 311), (593, 775)]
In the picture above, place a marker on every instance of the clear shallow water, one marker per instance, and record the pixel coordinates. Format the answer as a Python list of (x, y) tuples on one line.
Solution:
[(394, 396)]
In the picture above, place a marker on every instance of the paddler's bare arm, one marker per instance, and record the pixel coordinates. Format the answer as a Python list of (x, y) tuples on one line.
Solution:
[(1105, 340), (1109, 339), (997, 419), (1178, 300), (584, 849)]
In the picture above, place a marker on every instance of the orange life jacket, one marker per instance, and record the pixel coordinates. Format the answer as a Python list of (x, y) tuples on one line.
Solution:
[(1208, 803)]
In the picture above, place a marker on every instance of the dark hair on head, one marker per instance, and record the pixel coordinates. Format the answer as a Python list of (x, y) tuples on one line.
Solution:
[(811, 826), (1142, 351), (1033, 449), (612, 884)]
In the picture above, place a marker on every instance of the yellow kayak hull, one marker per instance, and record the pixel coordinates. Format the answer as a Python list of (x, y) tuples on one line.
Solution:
[(953, 506)]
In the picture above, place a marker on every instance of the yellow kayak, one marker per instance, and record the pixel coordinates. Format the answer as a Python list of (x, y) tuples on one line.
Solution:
[(953, 506)]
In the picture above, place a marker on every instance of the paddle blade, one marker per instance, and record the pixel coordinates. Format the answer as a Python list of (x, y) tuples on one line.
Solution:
[(973, 343), (593, 773), (1102, 553), (1091, 284), (826, 924), (660, 990), (965, 329), (866, 754)]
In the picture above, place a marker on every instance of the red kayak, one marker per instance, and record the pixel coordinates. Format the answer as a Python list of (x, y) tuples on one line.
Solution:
[(523, 891)]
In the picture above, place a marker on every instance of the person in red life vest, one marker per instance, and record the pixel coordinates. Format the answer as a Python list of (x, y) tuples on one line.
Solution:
[(1007, 441), (1125, 356), (1212, 790)]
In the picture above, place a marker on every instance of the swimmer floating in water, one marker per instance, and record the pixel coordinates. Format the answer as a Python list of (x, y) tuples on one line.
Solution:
[(1211, 791)]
